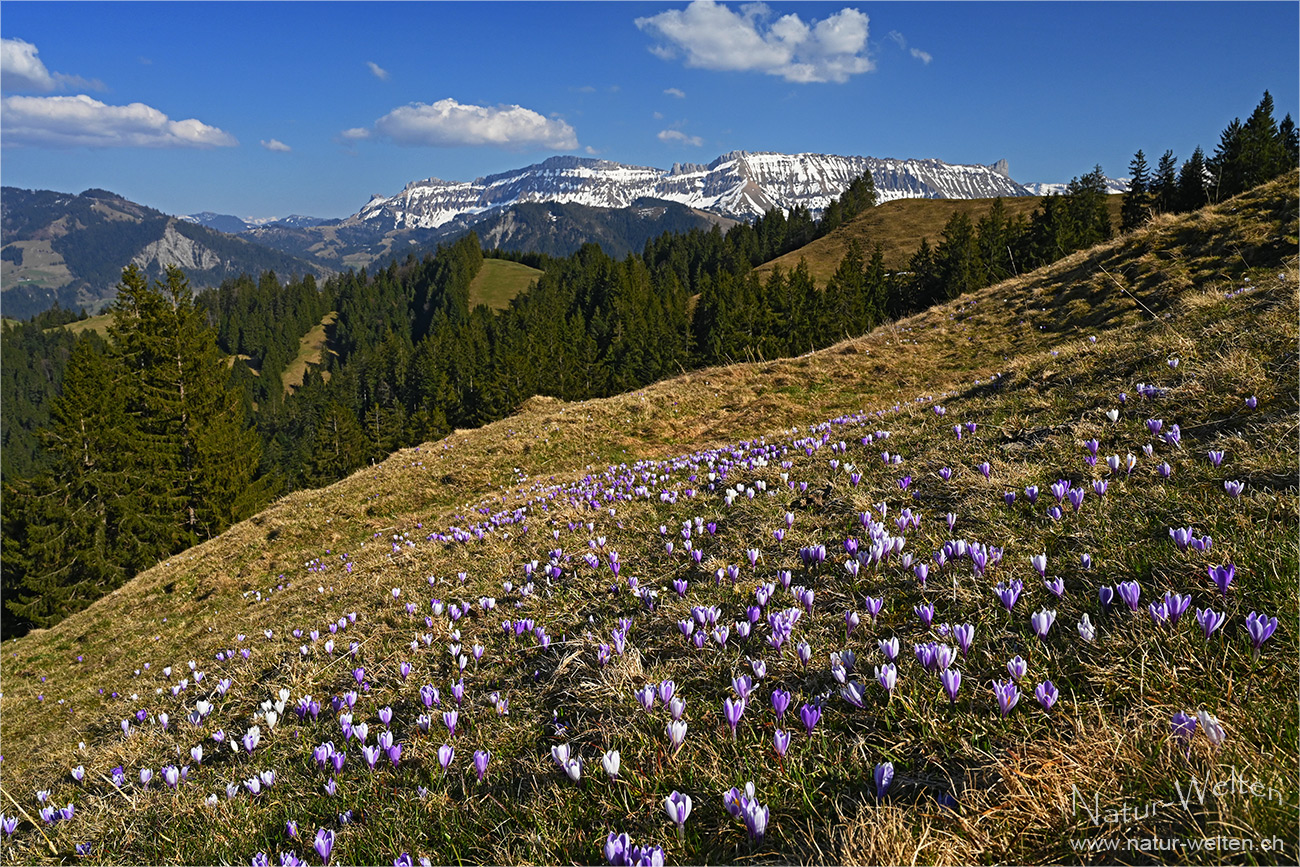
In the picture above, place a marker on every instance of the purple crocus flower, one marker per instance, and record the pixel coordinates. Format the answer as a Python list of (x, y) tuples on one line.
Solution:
[(926, 613), (1222, 576), (1031, 494), (617, 850), (1260, 627), (1234, 488), (965, 634), (951, 680), (1016, 667), (1047, 694), (1009, 592), (851, 621), (1008, 694), (678, 808), (445, 754), (889, 647), (1042, 621), (1252, 402), (780, 741), (874, 604), (1087, 631), (324, 844), (886, 676), (1075, 496), (853, 693), (804, 651), (810, 714), (1009, 498), (780, 701), (884, 775), (1130, 592), (1176, 605), (1212, 727), (733, 712), (677, 733), (1210, 620), (1106, 595), (1056, 586)]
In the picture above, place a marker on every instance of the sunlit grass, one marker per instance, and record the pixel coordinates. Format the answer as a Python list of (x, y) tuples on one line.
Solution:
[(971, 785)]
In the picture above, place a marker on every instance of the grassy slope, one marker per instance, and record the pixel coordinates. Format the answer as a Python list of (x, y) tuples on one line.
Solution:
[(1013, 777), (312, 347), (498, 281), (899, 226), (98, 324)]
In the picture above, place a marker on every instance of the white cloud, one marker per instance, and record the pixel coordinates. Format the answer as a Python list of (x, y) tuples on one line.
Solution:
[(447, 123), (923, 56), (672, 91), (377, 71), (22, 70), (276, 145), (80, 121), (676, 135), (712, 36)]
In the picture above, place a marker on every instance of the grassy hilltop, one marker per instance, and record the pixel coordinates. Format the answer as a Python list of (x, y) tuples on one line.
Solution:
[(550, 565)]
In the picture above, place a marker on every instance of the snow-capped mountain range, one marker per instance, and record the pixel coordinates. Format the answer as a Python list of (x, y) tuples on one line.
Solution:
[(740, 185)]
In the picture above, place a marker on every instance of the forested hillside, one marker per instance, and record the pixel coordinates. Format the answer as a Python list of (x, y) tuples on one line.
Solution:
[(409, 360)]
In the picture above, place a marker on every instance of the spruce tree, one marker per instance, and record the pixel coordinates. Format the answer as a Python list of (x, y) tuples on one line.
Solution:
[(846, 294), (1193, 182), (193, 436), (1164, 187), (1136, 208), (84, 527)]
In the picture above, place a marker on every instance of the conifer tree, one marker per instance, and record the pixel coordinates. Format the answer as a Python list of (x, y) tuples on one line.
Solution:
[(193, 436), (1136, 208), (1164, 186), (956, 259), (846, 294), (1193, 182), (76, 532)]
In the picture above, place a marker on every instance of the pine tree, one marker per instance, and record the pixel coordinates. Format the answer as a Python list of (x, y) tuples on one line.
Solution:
[(1136, 208)]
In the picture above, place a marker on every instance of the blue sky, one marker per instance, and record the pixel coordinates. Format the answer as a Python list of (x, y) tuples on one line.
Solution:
[(267, 109)]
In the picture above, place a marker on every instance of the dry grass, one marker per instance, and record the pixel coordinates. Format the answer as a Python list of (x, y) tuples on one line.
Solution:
[(1013, 781), (498, 281), (898, 226), (312, 347)]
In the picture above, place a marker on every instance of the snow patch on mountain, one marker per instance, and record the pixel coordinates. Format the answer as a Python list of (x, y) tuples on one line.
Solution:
[(740, 184), (1114, 186)]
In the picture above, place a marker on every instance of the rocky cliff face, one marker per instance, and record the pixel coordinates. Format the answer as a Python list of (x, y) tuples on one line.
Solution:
[(174, 249)]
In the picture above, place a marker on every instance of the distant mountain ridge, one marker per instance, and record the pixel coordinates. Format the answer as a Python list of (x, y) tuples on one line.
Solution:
[(235, 225), (738, 185), (71, 249)]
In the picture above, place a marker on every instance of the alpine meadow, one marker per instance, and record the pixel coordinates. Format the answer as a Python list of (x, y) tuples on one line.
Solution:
[(788, 508)]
